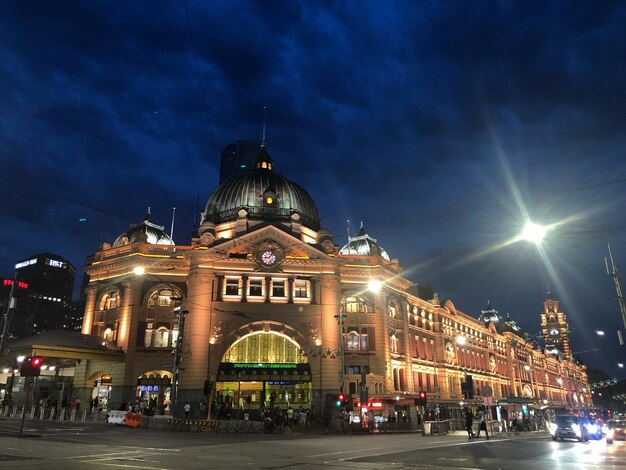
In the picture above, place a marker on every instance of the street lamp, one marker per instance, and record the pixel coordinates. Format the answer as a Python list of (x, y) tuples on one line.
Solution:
[(534, 232), (461, 340)]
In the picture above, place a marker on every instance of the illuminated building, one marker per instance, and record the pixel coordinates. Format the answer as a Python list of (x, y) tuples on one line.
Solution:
[(264, 289)]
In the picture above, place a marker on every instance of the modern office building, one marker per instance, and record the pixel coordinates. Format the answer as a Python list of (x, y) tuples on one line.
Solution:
[(238, 158)]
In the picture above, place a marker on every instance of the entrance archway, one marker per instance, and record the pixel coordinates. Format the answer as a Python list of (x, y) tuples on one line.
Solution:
[(263, 369)]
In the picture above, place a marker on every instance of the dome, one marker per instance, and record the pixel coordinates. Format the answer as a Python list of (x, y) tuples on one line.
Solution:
[(490, 315), (145, 232), (264, 195), (363, 245)]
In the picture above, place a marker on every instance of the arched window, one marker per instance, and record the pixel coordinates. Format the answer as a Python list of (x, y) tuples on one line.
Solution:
[(394, 343), (354, 304), (161, 338), (393, 309), (110, 301), (352, 341), (161, 298), (108, 334)]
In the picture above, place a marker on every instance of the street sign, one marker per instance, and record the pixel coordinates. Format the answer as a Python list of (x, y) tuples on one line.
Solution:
[(486, 391), (29, 384)]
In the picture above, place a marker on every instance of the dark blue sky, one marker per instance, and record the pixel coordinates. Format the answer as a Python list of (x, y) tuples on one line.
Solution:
[(430, 121)]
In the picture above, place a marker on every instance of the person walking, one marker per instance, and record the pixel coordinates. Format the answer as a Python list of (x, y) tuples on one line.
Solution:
[(469, 420), (482, 423), (187, 409)]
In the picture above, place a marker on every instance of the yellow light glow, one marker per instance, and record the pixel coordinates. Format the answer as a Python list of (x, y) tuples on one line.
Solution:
[(269, 200), (374, 285), (139, 270)]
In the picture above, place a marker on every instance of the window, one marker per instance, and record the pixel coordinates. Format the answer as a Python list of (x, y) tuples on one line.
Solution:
[(392, 309), (161, 298), (356, 341), (300, 290), (352, 341), (278, 288), (354, 369), (161, 337), (394, 343), (108, 334), (148, 338), (354, 304), (232, 286), (109, 301), (255, 288)]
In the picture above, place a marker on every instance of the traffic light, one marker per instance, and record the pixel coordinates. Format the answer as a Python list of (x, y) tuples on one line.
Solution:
[(31, 367), (341, 398), (421, 400)]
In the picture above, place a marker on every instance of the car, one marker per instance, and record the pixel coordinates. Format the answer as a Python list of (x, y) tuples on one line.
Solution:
[(570, 427), (615, 430)]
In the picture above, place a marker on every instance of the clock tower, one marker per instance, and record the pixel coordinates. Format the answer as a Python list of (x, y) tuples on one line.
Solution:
[(554, 326)]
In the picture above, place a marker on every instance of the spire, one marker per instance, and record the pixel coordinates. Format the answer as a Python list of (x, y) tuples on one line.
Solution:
[(263, 144), (361, 230), (148, 216)]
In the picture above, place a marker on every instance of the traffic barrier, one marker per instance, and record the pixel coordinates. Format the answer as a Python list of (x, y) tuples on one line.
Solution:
[(132, 419), (116, 417)]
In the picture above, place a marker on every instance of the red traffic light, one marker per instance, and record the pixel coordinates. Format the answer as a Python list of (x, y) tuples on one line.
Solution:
[(36, 361), (422, 394), (341, 397)]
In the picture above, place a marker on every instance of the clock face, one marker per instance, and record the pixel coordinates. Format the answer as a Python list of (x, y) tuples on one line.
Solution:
[(554, 332), (268, 258)]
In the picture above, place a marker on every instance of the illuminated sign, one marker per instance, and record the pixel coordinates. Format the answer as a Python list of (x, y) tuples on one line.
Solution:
[(377, 404), (54, 263), (23, 264), (20, 284), (242, 365)]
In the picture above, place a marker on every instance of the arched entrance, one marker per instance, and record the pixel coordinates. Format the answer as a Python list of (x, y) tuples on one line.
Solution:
[(263, 369), (101, 391), (153, 391)]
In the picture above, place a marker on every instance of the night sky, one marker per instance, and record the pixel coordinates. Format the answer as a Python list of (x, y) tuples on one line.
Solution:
[(440, 125)]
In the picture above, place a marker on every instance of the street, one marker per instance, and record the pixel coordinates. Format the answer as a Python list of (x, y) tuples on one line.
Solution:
[(84, 445)]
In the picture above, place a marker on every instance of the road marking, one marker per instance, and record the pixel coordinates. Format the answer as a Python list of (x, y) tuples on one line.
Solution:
[(104, 456), (123, 465)]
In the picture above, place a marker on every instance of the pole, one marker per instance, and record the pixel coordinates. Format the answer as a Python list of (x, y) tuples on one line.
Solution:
[(7, 317), (177, 351), (342, 365), (618, 285)]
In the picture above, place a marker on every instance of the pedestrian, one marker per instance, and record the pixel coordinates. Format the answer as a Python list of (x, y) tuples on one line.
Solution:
[(326, 420), (469, 419), (187, 409), (482, 423)]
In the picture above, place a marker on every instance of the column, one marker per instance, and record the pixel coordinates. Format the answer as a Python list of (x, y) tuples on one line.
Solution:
[(195, 356), (244, 288), (90, 307)]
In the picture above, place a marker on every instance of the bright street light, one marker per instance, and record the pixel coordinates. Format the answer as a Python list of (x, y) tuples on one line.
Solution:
[(374, 285), (526, 367), (139, 270), (20, 358), (620, 365), (534, 232), (600, 333), (461, 340)]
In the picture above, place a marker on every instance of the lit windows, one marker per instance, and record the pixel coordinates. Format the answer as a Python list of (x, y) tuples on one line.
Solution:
[(394, 343), (255, 287), (232, 286), (161, 298), (108, 334), (355, 340), (300, 289), (354, 304), (110, 301), (161, 337), (278, 288)]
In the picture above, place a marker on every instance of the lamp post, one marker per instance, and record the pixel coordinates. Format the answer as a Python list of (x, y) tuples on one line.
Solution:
[(7, 317), (178, 347)]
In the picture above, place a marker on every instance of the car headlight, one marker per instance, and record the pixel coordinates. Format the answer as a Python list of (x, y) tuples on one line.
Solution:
[(576, 429), (605, 429), (609, 434), (552, 427), (592, 428)]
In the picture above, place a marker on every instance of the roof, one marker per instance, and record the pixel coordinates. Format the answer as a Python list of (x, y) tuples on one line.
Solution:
[(363, 245), (67, 344)]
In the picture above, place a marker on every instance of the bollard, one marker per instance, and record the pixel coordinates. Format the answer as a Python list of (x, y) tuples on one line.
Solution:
[(72, 414), (42, 411), (52, 411), (62, 415), (32, 412), (94, 417), (84, 415), (15, 411)]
